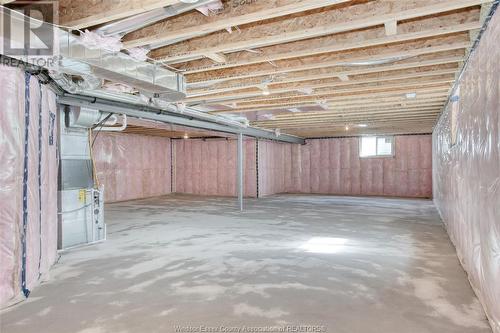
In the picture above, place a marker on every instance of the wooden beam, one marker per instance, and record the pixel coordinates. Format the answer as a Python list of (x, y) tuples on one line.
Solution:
[(396, 102), (313, 85), (404, 50), (380, 100), (366, 97), (348, 113), (359, 110), (80, 14), (324, 73), (318, 24), (357, 88), (193, 24), (338, 47), (343, 120)]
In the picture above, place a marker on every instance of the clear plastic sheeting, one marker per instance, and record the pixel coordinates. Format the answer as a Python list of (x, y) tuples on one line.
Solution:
[(28, 227), (333, 166), (467, 173), (132, 166), (208, 167)]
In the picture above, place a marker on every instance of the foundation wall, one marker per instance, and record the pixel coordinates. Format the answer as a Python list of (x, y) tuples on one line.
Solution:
[(467, 170), (132, 166), (208, 167), (28, 183), (333, 166)]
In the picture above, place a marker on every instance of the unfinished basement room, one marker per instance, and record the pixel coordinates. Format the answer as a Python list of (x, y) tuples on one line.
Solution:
[(250, 166)]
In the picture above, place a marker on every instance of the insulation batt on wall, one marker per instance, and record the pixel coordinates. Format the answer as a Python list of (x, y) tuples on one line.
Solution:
[(208, 167), (467, 174), (333, 166), (132, 166), (39, 212), (323, 166)]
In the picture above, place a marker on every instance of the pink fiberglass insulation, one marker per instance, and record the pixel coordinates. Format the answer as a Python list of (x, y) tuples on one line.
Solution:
[(33, 222), (208, 167), (333, 166), (132, 166), (467, 173)]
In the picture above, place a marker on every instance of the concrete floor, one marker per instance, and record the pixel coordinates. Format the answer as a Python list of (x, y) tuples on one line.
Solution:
[(345, 264)]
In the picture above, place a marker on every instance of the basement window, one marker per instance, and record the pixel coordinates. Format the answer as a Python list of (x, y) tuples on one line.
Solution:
[(376, 146)]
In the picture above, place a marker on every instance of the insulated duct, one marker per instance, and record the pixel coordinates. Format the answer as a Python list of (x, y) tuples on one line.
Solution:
[(65, 81), (72, 56)]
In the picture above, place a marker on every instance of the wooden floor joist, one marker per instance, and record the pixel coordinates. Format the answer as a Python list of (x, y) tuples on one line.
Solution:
[(309, 67), (306, 76), (79, 14), (318, 24), (386, 52), (194, 24), (317, 85), (397, 98)]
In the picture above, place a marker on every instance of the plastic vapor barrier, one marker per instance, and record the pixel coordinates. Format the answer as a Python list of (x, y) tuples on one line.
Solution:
[(208, 167), (467, 170), (132, 166), (28, 182)]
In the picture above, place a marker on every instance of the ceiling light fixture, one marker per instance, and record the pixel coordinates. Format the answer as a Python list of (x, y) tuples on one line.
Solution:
[(411, 95), (185, 136), (362, 125)]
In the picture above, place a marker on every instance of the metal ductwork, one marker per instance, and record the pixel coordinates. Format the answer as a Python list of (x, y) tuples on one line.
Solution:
[(88, 62)]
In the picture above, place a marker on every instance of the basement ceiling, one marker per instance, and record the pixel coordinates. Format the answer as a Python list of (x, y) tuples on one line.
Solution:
[(307, 67)]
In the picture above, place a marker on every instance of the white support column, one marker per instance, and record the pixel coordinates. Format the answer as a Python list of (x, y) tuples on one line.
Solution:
[(240, 171)]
